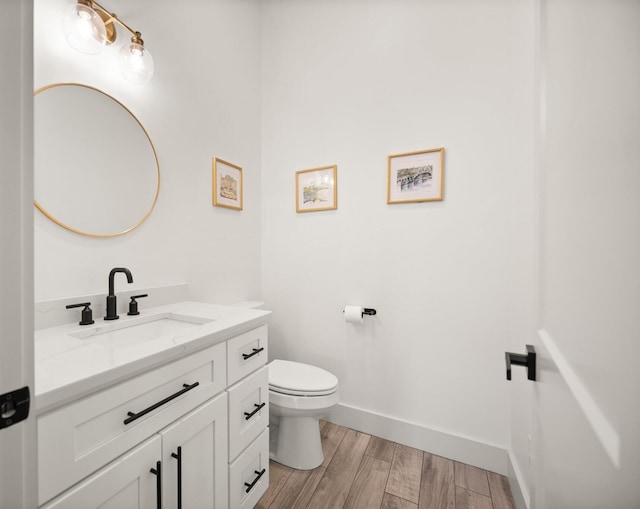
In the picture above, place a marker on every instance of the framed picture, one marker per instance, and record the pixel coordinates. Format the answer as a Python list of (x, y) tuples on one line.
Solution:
[(415, 176), (317, 189), (227, 184)]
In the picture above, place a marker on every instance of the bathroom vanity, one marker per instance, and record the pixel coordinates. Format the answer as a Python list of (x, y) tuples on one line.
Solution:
[(165, 409)]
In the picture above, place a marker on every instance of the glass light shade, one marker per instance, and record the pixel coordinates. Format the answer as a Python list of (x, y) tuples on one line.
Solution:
[(84, 29), (137, 63)]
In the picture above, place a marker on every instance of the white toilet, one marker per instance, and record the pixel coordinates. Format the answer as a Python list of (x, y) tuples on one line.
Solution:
[(299, 395)]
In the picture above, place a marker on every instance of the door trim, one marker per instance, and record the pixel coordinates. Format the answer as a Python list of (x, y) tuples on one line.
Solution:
[(18, 484)]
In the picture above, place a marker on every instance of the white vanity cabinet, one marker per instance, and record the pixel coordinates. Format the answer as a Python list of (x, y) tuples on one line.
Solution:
[(163, 438)]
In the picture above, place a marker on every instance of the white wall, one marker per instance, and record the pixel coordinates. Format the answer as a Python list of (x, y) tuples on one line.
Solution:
[(203, 102), (348, 83)]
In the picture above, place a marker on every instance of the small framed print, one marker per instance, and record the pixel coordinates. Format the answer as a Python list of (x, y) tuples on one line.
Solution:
[(415, 176), (227, 184), (317, 189)]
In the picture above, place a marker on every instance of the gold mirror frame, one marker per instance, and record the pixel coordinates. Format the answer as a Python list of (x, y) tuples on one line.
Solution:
[(155, 156)]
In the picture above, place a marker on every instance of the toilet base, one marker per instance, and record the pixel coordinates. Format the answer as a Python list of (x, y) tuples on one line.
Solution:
[(295, 442)]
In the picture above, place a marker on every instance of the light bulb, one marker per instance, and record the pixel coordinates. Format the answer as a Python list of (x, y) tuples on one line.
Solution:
[(136, 62), (84, 29)]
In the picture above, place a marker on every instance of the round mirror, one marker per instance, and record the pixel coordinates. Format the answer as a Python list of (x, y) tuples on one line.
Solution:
[(96, 170)]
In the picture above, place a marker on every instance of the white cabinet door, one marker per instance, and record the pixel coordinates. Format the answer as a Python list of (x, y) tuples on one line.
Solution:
[(126, 483), (194, 458)]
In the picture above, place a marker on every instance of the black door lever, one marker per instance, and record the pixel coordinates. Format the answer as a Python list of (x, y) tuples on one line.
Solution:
[(528, 360)]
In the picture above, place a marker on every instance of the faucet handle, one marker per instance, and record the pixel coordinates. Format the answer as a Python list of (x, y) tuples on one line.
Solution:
[(87, 314), (133, 305)]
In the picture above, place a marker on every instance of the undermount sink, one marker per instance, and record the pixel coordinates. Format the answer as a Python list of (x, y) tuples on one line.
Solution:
[(142, 329)]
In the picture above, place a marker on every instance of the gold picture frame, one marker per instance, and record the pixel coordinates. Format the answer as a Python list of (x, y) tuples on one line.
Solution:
[(415, 176), (317, 189), (227, 184)]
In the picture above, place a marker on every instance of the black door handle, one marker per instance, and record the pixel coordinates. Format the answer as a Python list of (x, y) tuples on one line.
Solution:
[(528, 360)]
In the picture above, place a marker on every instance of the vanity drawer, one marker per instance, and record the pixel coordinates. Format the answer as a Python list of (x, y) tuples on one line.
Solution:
[(246, 353), (249, 474), (81, 437), (248, 410)]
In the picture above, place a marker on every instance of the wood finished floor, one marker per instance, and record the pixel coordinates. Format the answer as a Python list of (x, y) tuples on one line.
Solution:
[(367, 472)]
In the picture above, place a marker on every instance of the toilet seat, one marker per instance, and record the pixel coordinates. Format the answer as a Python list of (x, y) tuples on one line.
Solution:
[(298, 379)]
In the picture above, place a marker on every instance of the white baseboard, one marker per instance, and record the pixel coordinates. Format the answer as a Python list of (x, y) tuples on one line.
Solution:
[(450, 446)]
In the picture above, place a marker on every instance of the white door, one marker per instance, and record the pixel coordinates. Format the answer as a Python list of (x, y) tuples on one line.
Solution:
[(17, 441), (586, 434)]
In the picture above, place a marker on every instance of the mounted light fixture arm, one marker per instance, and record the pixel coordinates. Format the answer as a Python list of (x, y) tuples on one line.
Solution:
[(90, 26), (109, 18)]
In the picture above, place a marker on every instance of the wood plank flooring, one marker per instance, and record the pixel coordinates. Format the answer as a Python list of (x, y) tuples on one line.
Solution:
[(361, 471)]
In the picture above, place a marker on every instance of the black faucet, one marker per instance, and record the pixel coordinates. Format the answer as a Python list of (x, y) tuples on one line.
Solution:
[(111, 298)]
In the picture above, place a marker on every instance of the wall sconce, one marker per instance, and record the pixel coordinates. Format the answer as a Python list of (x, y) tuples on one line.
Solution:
[(89, 27)]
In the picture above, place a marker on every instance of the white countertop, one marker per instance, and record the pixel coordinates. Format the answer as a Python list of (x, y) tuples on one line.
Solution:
[(68, 367)]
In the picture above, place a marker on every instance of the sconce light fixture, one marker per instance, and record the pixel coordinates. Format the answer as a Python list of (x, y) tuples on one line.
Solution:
[(89, 27)]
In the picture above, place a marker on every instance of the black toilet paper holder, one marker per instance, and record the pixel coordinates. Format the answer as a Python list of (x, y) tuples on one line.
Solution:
[(366, 311)]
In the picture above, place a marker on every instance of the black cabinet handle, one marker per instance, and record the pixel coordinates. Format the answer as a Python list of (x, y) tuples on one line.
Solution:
[(256, 351), (528, 360), (248, 415), (133, 416), (178, 456), (250, 486), (158, 473)]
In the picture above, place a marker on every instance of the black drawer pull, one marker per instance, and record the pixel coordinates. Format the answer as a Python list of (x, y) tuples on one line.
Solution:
[(250, 486), (158, 473), (133, 416), (248, 415), (256, 351)]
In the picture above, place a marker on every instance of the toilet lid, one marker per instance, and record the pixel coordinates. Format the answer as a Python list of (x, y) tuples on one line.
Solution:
[(300, 379)]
